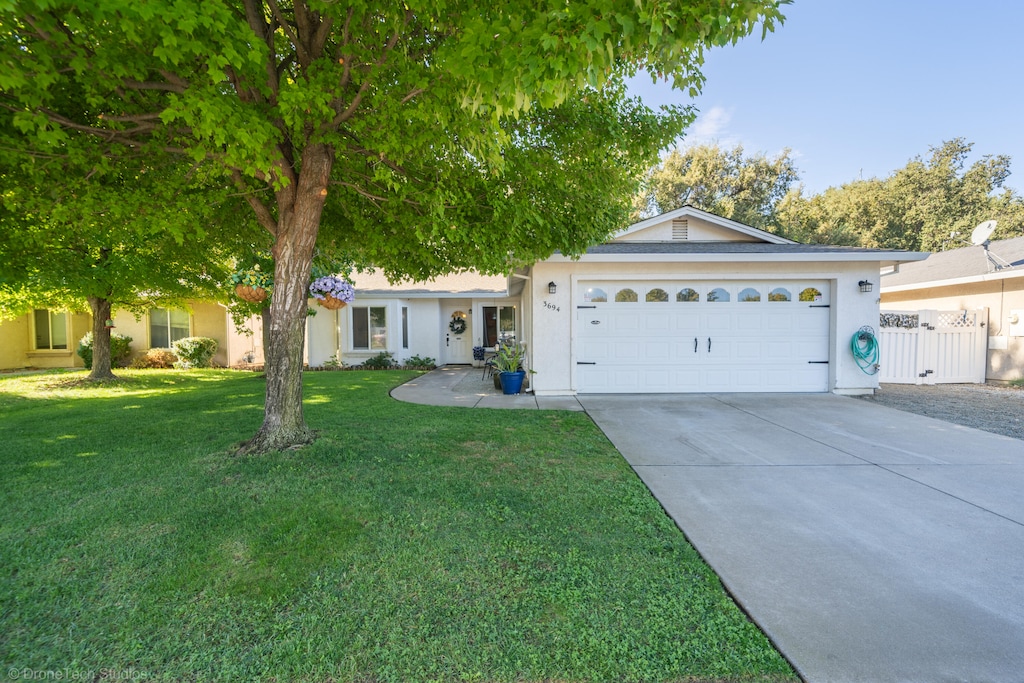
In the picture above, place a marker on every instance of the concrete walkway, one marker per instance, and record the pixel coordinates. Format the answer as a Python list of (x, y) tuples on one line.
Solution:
[(463, 385), (871, 545)]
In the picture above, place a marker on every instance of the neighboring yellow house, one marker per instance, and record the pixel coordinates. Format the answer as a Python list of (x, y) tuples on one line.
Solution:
[(48, 339), (43, 339)]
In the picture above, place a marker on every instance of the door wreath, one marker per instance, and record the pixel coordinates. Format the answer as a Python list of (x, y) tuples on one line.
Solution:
[(457, 325)]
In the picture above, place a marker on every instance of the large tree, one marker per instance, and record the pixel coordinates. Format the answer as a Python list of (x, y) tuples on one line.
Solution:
[(726, 182), (121, 238), (422, 129)]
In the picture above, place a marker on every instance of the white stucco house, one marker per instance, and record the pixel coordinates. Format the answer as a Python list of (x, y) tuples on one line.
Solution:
[(683, 302)]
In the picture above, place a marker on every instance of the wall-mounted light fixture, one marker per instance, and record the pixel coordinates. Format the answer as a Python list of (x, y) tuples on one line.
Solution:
[(865, 286), (552, 287)]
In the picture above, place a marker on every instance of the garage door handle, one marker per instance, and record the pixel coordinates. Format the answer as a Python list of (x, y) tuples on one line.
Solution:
[(695, 345), (709, 344), (581, 362)]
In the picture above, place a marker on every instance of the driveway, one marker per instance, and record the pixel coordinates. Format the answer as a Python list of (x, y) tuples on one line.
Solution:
[(870, 544)]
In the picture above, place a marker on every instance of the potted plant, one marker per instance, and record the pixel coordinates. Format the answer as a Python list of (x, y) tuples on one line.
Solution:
[(252, 284), (508, 363), (332, 292)]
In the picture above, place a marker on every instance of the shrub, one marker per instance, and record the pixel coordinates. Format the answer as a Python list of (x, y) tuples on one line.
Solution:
[(381, 361), (194, 352), (120, 350), (417, 362), (155, 358)]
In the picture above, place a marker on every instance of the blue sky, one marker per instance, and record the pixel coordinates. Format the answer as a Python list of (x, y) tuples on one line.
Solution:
[(856, 88)]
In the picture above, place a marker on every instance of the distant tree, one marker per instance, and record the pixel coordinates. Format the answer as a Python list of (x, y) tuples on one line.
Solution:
[(416, 132), (931, 204), (725, 182)]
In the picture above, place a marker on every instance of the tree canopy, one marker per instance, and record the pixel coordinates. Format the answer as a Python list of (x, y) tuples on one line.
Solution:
[(427, 137), (931, 204), (726, 182)]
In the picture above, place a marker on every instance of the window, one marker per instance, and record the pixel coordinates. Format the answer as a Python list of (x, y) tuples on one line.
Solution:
[(657, 294), (369, 327), (405, 327), (687, 294), (499, 324), (51, 329), (595, 295), (810, 294), (167, 326), (626, 295), (780, 294), (749, 294), (718, 295)]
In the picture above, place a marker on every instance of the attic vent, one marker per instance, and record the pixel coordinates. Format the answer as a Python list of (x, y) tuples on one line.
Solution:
[(679, 229)]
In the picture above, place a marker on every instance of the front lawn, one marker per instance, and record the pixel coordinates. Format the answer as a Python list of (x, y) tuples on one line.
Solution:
[(409, 543)]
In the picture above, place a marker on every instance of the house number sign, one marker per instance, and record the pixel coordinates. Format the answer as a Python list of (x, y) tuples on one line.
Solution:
[(552, 307)]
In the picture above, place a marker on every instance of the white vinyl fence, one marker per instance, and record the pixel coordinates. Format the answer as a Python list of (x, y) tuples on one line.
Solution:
[(933, 347)]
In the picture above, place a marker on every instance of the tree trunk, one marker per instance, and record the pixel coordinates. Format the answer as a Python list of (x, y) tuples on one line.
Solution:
[(299, 212), (100, 340)]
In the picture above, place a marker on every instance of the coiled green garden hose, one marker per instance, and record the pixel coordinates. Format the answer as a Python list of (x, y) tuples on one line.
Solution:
[(864, 346)]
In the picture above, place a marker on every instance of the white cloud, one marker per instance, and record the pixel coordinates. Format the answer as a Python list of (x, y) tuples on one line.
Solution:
[(710, 125)]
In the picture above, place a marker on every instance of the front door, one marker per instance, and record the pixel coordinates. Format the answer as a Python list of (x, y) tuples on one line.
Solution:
[(456, 334)]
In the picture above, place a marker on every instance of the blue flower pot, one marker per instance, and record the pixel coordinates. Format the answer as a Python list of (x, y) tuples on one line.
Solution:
[(512, 382)]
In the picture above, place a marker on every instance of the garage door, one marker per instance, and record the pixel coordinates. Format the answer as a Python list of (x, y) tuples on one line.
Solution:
[(677, 337)]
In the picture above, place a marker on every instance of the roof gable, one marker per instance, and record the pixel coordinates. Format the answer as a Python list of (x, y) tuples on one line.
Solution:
[(689, 224)]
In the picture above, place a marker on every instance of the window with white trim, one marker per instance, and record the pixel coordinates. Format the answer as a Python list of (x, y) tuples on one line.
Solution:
[(51, 329), (405, 327), (166, 326), (369, 327)]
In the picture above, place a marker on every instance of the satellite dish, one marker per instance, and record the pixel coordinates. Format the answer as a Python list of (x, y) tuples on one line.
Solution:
[(982, 233)]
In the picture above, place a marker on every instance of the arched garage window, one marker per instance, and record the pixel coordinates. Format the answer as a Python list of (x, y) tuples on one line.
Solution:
[(626, 295), (749, 294), (810, 294), (718, 295), (687, 294), (595, 295), (780, 294), (657, 294)]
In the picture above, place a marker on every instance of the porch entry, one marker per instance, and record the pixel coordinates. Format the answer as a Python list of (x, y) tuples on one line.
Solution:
[(457, 333), (933, 347)]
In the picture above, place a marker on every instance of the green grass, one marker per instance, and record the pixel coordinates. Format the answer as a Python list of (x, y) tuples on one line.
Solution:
[(409, 543)]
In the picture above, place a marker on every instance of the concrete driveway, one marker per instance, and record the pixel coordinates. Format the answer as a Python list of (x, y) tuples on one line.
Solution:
[(870, 544)]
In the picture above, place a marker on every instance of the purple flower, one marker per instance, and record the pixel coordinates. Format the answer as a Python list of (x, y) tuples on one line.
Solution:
[(334, 286)]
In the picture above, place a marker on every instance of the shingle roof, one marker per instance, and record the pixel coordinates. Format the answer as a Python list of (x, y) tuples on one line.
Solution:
[(955, 264), (682, 247)]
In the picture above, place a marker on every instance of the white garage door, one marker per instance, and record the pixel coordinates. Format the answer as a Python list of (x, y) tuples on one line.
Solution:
[(676, 337)]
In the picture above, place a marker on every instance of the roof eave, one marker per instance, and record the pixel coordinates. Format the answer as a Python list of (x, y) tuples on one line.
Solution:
[(884, 257), (952, 282)]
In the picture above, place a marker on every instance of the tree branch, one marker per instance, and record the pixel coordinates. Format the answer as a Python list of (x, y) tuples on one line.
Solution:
[(349, 111), (263, 214), (300, 49)]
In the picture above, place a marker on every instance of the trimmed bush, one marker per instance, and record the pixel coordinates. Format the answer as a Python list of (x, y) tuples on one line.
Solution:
[(194, 352), (120, 350), (381, 361), (155, 358), (426, 363)]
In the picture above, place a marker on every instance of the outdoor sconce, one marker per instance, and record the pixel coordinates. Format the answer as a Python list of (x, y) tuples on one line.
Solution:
[(865, 286), (552, 287)]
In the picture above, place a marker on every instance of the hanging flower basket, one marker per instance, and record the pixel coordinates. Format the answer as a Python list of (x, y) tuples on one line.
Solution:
[(251, 294), (330, 303), (332, 292)]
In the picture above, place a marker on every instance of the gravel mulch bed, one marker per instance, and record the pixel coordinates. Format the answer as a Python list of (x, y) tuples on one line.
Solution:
[(993, 408)]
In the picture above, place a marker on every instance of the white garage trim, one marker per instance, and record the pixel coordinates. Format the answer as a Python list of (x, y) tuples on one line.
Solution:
[(678, 335)]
